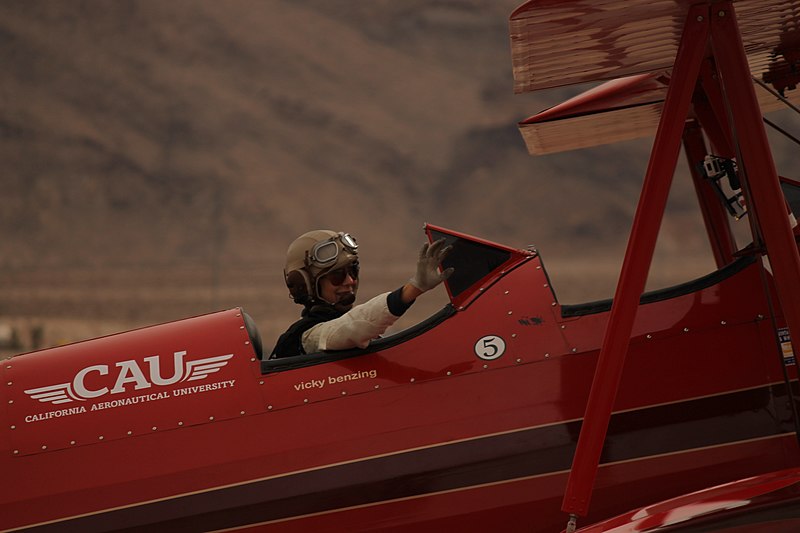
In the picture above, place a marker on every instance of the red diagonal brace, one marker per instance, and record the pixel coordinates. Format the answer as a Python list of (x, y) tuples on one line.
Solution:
[(765, 199), (638, 257)]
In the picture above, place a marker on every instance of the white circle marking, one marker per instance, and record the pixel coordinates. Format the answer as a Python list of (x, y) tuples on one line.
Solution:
[(490, 347)]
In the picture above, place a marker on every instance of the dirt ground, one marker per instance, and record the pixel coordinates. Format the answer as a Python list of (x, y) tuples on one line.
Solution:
[(44, 308)]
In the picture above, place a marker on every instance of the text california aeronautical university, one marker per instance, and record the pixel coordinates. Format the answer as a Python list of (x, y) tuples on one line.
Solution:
[(133, 400)]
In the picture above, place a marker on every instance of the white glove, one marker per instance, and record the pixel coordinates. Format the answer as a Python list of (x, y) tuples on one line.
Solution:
[(430, 258)]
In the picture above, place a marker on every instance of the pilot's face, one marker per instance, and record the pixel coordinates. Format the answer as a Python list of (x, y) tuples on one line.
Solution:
[(339, 286)]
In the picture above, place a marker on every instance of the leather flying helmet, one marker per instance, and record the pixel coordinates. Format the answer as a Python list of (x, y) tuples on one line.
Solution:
[(311, 256)]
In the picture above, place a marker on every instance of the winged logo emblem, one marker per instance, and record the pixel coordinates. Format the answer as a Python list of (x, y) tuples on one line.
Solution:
[(55, 394), (130, 370), (201, 368)]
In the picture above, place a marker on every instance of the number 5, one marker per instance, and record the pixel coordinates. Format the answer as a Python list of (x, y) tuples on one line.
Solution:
[(490, 347)]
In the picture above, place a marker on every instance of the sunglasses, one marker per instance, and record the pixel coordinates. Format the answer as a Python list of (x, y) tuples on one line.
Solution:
[(338, 276)]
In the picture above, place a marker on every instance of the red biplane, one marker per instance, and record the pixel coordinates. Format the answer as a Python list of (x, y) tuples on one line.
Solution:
[(506, 410)]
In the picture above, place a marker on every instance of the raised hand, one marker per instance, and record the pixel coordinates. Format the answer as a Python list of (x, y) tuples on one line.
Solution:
[(430, 259)]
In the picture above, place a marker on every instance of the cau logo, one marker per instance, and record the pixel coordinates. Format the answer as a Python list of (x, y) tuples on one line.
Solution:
[(127, 373)]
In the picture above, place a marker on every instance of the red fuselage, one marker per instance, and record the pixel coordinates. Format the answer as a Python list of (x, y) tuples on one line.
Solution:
[(470, 420)]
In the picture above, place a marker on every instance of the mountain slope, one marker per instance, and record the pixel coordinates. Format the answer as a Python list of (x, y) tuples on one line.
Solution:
[(160, 156)]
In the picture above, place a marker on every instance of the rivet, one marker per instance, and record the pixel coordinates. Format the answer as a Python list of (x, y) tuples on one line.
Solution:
[(154, 428), (44, 447), (510, 312), (699, 18), (8, 367), (649, 336), (100, 437), (211, 418), (449, 373), (238, 314), (305, 400), (10, 383), (538, 267), (72, 442), (16, 452), (344, 393), (760, 317), (481, 289), (513, 335), (252, 359), (685, 330), (241, 412), (130, 432), (412, 380), (519, 360), (269, 407), (553, 304), (721, 13), (485, 366), (574, 350), (180, 423), (247, 342), (563, 326), (13, 427), (10, 401), (547, 356), (461, 308), (241, 327), (723, 323), (505, 292), (545, 285), (261, 382), (377, 386)]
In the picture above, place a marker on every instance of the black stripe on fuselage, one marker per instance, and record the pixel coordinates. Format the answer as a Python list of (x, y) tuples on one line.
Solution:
[(636, 434)]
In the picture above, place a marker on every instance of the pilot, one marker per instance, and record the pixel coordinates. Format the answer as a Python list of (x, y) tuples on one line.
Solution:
[(322, 275)]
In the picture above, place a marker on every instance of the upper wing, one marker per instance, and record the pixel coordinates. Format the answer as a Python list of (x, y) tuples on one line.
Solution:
[(565, 42)]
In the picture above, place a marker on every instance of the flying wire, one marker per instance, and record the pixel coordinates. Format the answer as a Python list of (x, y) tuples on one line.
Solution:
[(786, 101)]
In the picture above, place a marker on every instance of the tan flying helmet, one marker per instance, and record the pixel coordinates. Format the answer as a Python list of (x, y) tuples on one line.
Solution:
[(311, 256)]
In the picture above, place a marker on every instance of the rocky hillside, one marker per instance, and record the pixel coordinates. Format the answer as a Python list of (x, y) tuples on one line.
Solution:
[(158, 157)]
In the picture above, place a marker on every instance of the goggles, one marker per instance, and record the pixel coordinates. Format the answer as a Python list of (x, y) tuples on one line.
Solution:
[(338, 276), (325, 252)]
